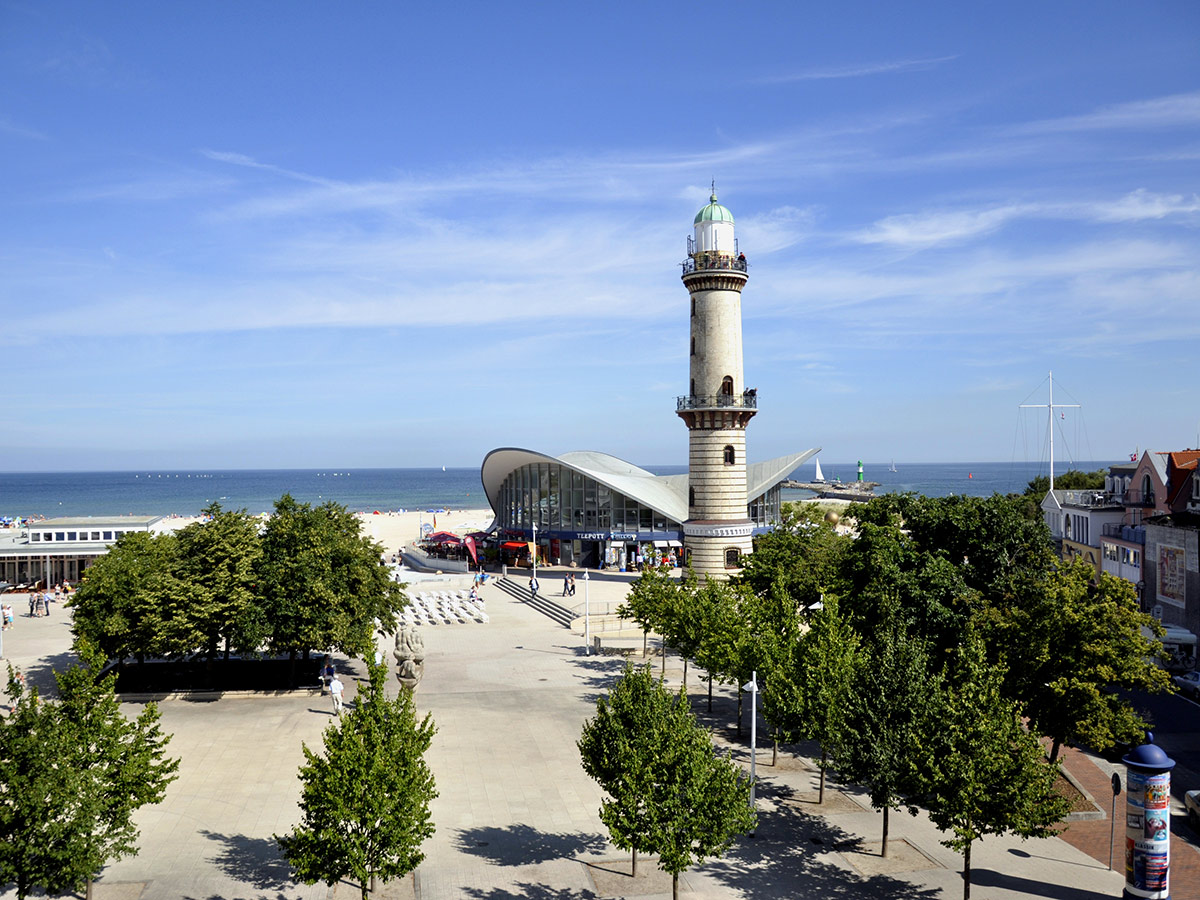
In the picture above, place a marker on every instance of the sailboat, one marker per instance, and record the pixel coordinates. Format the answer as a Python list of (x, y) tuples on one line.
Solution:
[(892, 467), (819, 478)]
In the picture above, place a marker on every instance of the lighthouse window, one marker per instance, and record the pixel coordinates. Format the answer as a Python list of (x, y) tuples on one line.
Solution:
[(693, 307), (729, 455), (727, 386), (732, 558), (693, 346), (691, 496)]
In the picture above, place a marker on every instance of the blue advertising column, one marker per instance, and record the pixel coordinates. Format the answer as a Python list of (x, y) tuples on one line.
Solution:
[(1148, 822)]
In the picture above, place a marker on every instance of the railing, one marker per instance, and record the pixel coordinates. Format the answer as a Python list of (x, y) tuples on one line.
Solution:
[(1139, 498), (748, 400), (1135, 534), (709, 261), (1089, 499)]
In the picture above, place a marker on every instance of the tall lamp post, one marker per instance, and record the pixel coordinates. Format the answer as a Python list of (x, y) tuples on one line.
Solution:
[(752, 687), (587, 608), (535, 551)]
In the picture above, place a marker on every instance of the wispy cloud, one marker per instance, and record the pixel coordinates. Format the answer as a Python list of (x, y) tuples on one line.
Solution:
[(938, 227), (857, 70), (1160, 112)]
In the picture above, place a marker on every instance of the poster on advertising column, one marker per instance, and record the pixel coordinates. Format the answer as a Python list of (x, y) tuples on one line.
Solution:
[(1147, 834)]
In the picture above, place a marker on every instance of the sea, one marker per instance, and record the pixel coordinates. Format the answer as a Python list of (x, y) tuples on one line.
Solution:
[(186, 493)]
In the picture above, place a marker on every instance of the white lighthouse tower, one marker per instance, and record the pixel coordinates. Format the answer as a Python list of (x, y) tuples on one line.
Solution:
[(717, 406)]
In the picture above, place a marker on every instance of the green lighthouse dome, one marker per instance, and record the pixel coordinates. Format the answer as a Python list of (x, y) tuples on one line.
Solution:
[(714, 212)]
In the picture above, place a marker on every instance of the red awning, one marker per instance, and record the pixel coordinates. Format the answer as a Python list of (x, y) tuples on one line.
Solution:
[(515, 545), (443, 537)]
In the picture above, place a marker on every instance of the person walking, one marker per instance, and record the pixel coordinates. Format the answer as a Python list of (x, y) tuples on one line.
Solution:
[(46, 602), (33, 604), (571, 585), (566, 583), (336, 688), (8, 616), (533, 587)]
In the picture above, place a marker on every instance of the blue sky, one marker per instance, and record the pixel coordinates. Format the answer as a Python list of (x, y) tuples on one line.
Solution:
[(286, 235)]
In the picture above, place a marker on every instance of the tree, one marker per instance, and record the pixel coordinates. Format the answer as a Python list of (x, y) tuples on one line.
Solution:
[(650, 602), (812, 700), (800, 556), (1068, 644), (669, 791), (219, 558), (884, 731), (618, 748), (985, 773), (74, 773), (117, 606), (123, 764), (366, 797), (322, 584), (43, 808)]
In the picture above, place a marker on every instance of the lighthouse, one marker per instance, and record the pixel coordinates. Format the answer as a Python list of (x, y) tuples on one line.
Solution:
[(718, 406)]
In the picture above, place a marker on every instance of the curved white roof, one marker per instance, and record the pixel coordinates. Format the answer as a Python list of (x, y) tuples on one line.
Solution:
[(666, 494)]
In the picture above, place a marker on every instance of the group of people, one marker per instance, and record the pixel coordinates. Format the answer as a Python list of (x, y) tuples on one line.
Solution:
[(39, 601), (569, 584)]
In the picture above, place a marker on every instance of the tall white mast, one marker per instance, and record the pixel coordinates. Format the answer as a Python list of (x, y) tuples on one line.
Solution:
[(1050, 408)]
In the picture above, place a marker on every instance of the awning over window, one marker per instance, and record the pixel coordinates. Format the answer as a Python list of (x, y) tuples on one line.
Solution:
[(674, 544), (515, 545)]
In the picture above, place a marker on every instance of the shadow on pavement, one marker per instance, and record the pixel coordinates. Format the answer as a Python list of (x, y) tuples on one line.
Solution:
[(783, 860), (526, 891), (521, 845), (1032, 887), (257, 862), (40, 674)]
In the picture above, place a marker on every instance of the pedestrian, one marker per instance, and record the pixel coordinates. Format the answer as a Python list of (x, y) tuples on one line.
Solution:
[(571, 585), (8, 616), (33, 604), (326, 673), (533, 587), (46, 601), (335, 689), (566, 583)]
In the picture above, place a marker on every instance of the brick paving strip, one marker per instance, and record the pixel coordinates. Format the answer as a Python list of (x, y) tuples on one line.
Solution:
[(1092, 836)]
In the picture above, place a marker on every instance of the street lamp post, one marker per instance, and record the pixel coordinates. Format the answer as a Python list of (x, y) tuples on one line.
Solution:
[(535, 551), (752, 687), (587, 622)]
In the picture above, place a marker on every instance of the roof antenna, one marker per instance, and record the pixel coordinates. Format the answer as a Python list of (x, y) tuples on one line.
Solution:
[(714, 190)]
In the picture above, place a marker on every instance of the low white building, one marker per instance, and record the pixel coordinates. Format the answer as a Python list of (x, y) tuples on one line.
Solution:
[(55, 550)]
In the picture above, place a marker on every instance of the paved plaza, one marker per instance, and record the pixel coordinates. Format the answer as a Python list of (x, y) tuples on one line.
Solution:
[(517, 817)]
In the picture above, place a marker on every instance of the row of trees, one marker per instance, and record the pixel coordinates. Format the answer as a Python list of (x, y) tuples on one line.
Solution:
[(72, 774), (307, 580), (925, 655)]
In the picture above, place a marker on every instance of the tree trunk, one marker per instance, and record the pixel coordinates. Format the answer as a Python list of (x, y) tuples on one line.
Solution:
[(362, 887), (883, 852), (710, 691), (663, 673), (88, 895), (374, 883), (739, 730), (645, 643), (967, 873), (775, 750), (1054, 748), (635, 864), (685, 673), (821, 790), (674, 886)]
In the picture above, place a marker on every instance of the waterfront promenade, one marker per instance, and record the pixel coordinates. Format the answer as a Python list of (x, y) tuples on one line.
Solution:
[(517, 817)]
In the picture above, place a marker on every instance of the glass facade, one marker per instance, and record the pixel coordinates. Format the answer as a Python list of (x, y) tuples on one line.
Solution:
[(558, 499)]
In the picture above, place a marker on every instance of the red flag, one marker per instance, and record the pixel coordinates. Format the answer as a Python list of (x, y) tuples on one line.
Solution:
[(470, 542), (435, 521)]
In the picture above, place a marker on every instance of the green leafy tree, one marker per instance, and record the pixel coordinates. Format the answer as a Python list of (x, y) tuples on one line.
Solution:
[(1068, 645), (44, 808), (618, 748), (123, 764), (800, 557), (985, 773), (322, 585), (117, 607), (669, 792), (366, 796), (650, 602), (884, 734), (74, 773), (812, 702), (219, 559)]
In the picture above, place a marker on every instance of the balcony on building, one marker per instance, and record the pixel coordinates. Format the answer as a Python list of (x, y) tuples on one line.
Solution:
[(713, 260), (1091, 499), (747, 400), (1139, 498)]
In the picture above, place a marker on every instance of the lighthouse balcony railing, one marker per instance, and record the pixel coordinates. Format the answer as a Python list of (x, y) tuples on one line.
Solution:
[(713, 262), (747, 400)]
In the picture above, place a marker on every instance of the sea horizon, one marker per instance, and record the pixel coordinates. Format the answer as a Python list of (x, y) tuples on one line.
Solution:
[(185, 492)]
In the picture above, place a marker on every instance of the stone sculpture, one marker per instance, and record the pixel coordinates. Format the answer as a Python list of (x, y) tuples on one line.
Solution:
[(410, 656)]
